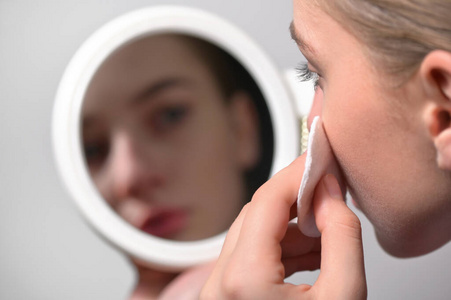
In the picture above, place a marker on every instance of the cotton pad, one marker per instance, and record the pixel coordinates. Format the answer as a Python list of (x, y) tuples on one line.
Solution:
[(319, 162)]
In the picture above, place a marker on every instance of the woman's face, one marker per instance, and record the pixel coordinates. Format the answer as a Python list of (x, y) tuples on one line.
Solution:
[(378, 136), (161, 143)]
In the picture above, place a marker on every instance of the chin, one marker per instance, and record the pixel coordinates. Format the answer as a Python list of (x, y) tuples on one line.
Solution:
[(396, 249), (404, 247)]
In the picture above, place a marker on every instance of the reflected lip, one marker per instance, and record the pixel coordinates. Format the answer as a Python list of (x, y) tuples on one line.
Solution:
[(165, 222)]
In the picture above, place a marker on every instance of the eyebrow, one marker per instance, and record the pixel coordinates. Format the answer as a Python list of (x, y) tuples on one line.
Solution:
[(159, 87), (147, 93), (299, 41)]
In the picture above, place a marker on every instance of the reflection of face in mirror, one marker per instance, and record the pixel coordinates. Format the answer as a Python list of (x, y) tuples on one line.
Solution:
[(172, 136)]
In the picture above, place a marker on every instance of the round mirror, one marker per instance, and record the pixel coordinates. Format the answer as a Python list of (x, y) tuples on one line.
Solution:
[(166, 121), (176, 136)]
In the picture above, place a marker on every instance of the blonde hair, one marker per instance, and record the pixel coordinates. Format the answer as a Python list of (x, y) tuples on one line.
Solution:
[(397, 34)]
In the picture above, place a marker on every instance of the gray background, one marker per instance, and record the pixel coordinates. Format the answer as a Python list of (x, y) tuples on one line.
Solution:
[(46, 250)]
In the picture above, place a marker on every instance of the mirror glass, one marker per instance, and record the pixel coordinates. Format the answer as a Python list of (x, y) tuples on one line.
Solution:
[(176, 135)]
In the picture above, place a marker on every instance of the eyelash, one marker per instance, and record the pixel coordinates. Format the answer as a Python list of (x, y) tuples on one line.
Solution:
[(305, 74)]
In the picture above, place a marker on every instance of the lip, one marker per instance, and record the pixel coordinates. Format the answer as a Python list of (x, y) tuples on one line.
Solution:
[(165, 222)]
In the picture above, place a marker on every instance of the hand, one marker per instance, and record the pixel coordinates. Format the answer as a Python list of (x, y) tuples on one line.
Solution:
[(188, 284), (262, 248), (155, 284)]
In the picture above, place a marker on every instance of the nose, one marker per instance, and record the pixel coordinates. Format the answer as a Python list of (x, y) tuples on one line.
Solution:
[(316, 107), (130, 172)]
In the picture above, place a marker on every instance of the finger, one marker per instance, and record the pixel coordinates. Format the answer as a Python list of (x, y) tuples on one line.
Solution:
[(267, 218), (295, 243), (230, 241), (213, 283), (342, 265), (234, 232)]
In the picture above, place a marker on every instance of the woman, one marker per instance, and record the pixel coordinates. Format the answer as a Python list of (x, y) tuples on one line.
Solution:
[(172, 140), (384, 95)]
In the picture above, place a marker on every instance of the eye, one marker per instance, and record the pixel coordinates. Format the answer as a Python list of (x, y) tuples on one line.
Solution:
[(305, 74), (168, 117), (95, 152)]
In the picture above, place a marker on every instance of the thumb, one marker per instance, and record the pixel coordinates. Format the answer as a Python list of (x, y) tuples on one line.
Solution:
[(342, 265)]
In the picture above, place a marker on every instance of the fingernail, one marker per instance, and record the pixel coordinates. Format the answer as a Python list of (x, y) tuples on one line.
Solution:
[(332, 186)]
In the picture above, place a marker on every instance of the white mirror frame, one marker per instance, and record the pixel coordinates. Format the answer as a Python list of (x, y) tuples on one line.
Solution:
[(154, 251)]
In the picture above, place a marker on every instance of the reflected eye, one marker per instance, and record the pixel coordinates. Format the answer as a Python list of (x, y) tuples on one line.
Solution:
[(96, 153), (169, 117), (305, 74)]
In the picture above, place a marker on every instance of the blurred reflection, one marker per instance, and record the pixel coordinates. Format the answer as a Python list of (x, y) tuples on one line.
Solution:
[(176, 136)]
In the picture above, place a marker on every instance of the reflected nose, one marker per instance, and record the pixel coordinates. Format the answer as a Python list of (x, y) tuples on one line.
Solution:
[(316, 107), (131, 173)]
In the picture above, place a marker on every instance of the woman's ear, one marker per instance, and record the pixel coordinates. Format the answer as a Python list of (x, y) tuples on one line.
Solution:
[(246, 128), (435, 74)]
